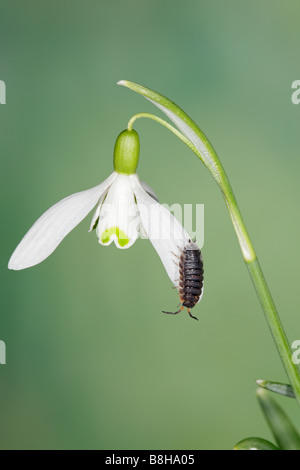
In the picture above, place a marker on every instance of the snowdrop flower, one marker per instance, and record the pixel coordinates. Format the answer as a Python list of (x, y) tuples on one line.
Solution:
[(125, 209)]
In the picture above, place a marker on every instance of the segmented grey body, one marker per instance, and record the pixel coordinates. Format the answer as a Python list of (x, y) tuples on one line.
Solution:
[(191, 275)]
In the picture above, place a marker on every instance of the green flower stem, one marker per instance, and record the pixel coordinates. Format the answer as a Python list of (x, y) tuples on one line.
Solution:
[(275, 325), (165, 124), (198, 142)]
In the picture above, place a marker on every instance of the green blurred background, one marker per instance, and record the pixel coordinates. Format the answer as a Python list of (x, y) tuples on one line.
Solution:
[(91, 360)]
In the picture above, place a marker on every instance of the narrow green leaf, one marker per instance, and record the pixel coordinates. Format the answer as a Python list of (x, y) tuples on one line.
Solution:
[(282, 389), (283, 430), (255, 443)]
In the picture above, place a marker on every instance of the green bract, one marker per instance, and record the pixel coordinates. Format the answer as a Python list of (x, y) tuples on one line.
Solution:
[(126, 153)]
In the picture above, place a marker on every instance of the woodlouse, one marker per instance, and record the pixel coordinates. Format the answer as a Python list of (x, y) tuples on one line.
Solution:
[(191, 276)]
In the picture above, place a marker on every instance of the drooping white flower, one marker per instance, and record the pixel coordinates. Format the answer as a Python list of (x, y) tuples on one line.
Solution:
[(125, 208)]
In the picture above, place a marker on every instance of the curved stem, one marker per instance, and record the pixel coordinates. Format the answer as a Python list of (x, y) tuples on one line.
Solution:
[(198, 142), (165, 124)]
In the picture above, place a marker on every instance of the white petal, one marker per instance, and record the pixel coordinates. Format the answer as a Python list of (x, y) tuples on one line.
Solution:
[(142, 231), (149, 190), (165, 232), (97, 211), (119, 219), (52, 227), (151, 193)]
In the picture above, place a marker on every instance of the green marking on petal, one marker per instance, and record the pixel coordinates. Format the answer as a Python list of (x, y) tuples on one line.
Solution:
[(122, 237), (95, 224)]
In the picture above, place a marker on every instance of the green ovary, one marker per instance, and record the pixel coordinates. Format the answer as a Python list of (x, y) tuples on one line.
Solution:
[(122, 237)]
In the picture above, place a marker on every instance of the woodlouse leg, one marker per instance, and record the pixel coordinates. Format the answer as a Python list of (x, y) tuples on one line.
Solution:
[(175, 255), (195, 318), (174, 313)]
